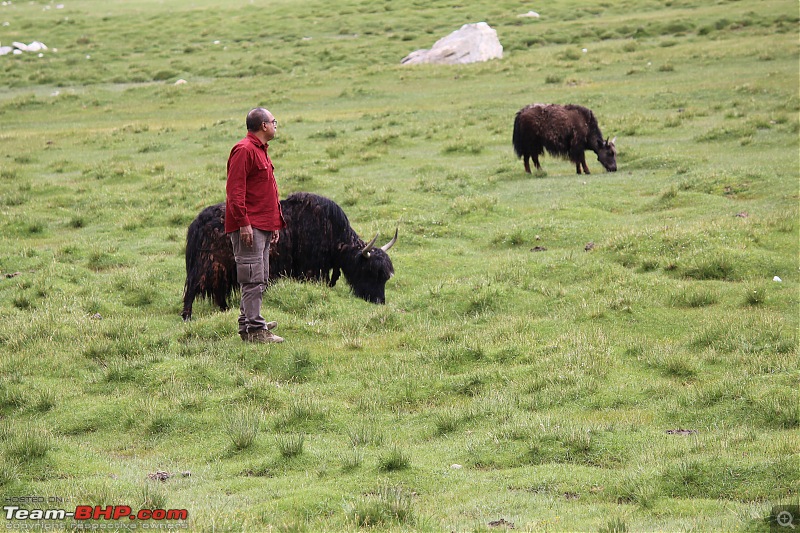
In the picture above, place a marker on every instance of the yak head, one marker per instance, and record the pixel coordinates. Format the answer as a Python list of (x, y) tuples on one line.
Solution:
[(367, 269), (607, 154)]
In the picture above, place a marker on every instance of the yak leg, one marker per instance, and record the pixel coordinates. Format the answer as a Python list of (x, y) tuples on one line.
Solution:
[(187, 306), (188, 299), (221, 298), (527, 164), (537, 151), (585, 168), (580, 161)]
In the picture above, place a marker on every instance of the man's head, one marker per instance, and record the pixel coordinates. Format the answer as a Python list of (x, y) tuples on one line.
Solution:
[(261, 123)]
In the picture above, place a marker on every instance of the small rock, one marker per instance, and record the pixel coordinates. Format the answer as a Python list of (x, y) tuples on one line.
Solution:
[(502, 523), (97, 316), (681, 432), (14, 275), (743, 214), (529, 14), (456, 466), (180, 82), (589, 246), (776, 278), (159, 475), (538, 249), (186, 473)]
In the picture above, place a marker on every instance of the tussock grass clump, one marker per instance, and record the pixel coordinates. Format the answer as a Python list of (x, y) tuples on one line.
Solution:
[(9, 472), (573, 446), (778, 410), (466, 205), (638, 487), (242, 426), (290, 445), (29, 444), (352, 459), (153, 496), (383, 507), (725, 479), (755, 295), (365, 434), (393, 459), (301, 413), (674, 362), (45, 401), (715, 266), (447, 421), (298, 366), (615, 525), (694, 297)]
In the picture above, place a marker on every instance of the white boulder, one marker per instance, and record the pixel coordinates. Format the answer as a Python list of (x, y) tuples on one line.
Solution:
[(36, 46), (470, 44)]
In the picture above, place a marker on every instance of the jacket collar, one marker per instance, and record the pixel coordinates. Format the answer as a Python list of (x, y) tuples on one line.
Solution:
[(256, 141)]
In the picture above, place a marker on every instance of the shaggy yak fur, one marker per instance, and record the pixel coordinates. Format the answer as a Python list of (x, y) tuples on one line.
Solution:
[(564, 131), (316, 244)]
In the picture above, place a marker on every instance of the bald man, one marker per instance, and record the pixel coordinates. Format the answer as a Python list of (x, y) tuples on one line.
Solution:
[(252, 220)]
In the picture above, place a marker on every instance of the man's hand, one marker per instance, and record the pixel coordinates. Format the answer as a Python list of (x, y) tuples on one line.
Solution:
[(246, 236), (276, 235)]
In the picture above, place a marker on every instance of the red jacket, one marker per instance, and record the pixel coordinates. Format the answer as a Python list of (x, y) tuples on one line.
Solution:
[(252, 193)]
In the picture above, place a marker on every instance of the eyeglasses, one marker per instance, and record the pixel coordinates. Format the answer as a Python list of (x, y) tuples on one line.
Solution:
[(274, 122)]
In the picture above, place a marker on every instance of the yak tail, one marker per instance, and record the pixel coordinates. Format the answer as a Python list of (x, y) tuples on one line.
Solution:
[(518, 139)]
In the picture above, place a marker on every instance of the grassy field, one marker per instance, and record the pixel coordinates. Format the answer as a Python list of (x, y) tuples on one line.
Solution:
[(646, 382)]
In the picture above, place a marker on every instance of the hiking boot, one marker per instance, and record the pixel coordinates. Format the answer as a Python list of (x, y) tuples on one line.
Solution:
[(262, 336), (269, 325)]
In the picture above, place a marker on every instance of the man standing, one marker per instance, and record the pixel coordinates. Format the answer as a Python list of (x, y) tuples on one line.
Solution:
[(252, 220)]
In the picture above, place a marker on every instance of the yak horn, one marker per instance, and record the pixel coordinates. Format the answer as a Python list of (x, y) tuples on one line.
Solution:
[(369, 246), (389, 244)]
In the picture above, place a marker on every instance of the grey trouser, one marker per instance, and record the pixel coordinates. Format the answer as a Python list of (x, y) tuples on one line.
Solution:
[(252, 269)]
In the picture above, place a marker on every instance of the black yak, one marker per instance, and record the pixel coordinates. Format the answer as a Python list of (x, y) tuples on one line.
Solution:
[(317, 244), (564, 131)]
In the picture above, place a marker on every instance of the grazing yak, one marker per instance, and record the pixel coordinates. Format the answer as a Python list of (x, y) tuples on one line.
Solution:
[(316, 244), (564, 131)]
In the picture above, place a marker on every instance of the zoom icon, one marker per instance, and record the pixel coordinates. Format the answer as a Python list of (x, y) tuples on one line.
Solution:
[(785, 518)]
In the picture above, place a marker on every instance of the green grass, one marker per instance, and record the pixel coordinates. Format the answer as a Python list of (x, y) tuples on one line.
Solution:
[(497, 382)]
